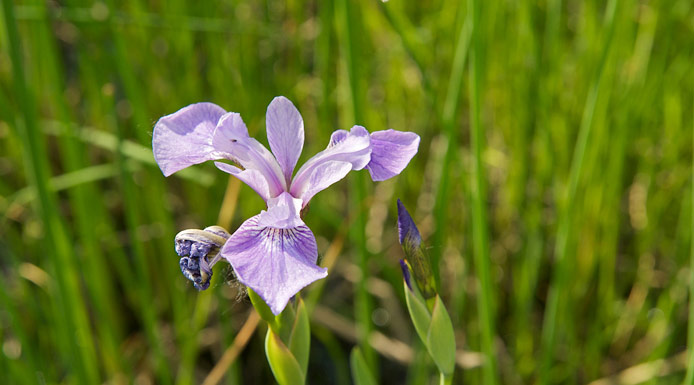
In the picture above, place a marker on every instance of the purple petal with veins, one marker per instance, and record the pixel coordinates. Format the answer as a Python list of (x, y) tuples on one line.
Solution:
[(231, 137), (184, 138), (391, 151), (285, 133), (353, 148), (275, 263), (274, 252)]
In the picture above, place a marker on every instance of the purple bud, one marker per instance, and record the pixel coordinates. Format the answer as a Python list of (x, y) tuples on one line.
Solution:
[(411, 242), (407, 230), (183, 247), (199, 250), (406, 273)]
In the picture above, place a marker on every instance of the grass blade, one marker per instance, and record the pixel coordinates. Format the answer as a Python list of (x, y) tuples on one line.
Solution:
[(485, 301)]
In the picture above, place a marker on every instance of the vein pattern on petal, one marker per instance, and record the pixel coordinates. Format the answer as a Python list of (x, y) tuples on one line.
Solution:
[(275, 263)]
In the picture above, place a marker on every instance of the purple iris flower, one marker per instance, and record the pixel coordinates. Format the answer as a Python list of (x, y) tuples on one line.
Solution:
[(274, 253)]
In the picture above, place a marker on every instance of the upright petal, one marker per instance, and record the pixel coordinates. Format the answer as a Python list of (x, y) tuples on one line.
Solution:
[(391, 151), (231, 137), (285, 133), (184, 138), (275, 263), (353, 148)]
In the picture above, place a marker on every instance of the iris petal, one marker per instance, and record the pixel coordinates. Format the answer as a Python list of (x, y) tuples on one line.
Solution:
[(283, 212), (184, 138), (275, 263), (252, 178), (391, 151), (285, 133), (322, 176), (353, 148), (231, 137)]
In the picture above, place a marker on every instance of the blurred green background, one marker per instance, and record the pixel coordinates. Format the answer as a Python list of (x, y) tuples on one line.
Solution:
[(559, 216)]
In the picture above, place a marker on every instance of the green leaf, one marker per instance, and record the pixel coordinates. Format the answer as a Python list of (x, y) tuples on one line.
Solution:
[(360, 370), (285, 322), (300, 337), (441, 339), (418, 312), (284, 366), (263, 309)]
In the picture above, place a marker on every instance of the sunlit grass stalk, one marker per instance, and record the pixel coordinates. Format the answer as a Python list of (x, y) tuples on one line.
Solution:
[(57, 242), (84, 202), (184, 39), (524, 169), (451, 132), (485, 300), (23, 370), (411, 41), (323, 59), (148, 316), (152, 198), (362, 300), (562, 268), (133, 217), (690, 322)]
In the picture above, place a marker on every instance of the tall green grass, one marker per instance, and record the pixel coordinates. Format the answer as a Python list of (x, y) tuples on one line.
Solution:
[(553, 185)]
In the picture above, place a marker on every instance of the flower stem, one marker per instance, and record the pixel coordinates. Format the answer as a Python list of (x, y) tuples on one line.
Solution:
[(444, 379)]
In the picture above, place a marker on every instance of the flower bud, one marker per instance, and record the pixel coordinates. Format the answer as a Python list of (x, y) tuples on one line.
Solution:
[(199, 251), (411, 242), (406, 273)]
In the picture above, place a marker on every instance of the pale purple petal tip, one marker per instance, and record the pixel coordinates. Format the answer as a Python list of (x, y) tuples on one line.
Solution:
[(407, 230), (391, 151), (285, 133), (326, 168), (275, 263), (184, 138)]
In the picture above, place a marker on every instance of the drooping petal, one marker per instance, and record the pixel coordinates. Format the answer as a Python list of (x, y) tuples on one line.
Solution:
[(231, 137), (184, 138), (284, 212), (391, 151), (252, 178), (285, 133), (275, 263), (353, 148)]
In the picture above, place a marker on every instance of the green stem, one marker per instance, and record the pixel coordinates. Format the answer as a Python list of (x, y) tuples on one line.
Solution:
[(60, 255), (563, 265), (350, 24), (690, 327), (450, 129), (444, 379), (485, 305)]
